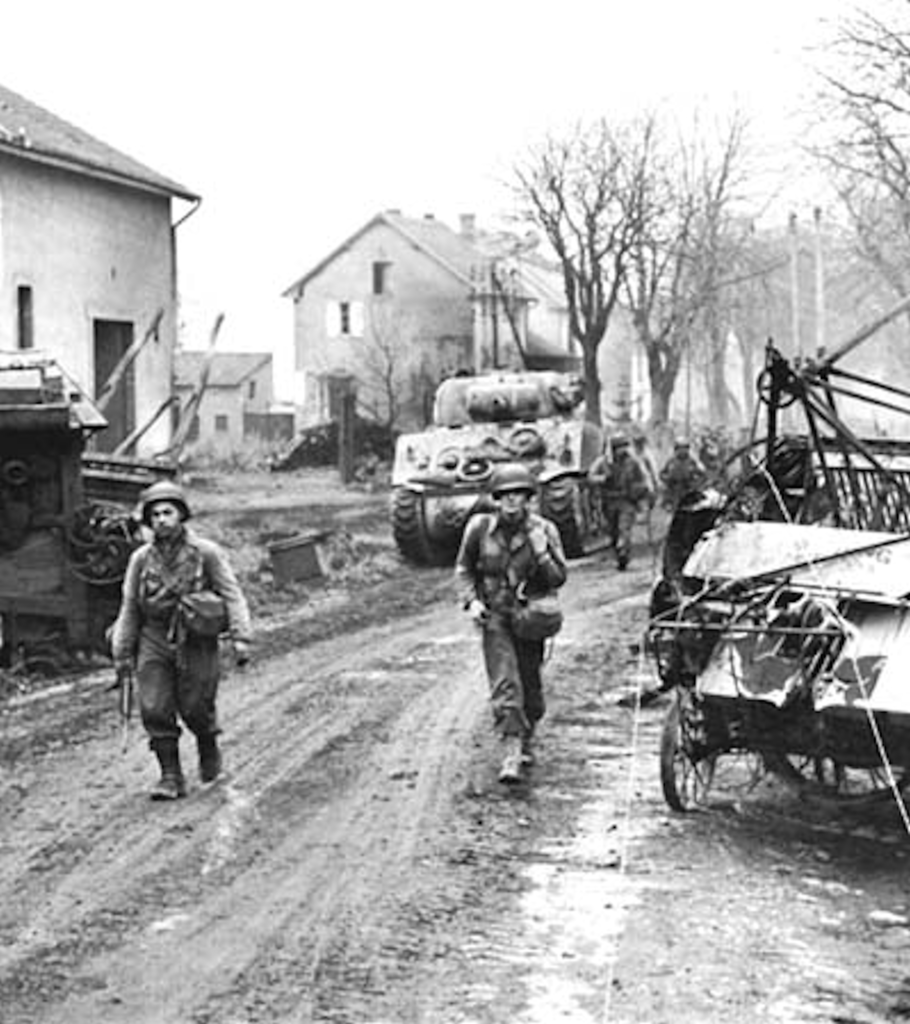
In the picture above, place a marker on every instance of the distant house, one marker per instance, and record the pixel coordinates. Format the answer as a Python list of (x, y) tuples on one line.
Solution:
[(87, 260), (404, 302), (237, 401)]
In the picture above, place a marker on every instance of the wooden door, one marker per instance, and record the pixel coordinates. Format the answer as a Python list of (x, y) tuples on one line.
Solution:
[(112, 339)]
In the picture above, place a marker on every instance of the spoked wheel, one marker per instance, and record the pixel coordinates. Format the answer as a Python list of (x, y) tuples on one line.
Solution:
[(686, 773), (825, 780)]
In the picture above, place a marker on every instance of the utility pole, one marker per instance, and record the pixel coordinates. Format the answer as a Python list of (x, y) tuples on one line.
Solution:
[(794, 289), (819, 287)]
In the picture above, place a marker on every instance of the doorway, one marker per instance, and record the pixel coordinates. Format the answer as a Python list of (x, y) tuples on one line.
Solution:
[(112, 339)]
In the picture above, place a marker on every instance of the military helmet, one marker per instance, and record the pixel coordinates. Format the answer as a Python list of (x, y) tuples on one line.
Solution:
[(682, 446), (163, 490), (512, 476), (620, 441)]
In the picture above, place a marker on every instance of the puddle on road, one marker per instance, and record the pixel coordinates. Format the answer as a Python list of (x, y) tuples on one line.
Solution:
[(573, 917)]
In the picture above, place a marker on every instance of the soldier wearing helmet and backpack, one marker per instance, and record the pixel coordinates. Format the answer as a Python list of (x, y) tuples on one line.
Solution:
[(161, 633), (507, 557), (624, 488)]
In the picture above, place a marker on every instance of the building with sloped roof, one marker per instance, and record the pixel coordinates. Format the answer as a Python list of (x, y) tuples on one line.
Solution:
[(87, 264), (405, 302), (236, 403)]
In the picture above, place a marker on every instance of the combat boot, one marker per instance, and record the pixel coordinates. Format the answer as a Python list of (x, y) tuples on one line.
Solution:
[(527, 750), (511, 764), (209, 758), (171, 785)]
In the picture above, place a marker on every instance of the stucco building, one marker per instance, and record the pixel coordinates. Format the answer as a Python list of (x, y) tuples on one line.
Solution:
[(404, 302), (236, 401), (87, 261)]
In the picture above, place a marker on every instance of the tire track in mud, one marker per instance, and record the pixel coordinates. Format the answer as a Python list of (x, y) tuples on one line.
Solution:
[(362, 864), (335, 846), (341, 803)]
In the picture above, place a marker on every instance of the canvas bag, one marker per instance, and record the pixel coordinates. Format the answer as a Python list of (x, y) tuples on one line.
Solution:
[(534, 618), (203, 613), (537, 618)]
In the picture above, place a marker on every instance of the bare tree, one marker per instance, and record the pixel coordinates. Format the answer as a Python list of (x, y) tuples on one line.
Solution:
[(584, 191), (687, 239), (864, 136), (386, 366)]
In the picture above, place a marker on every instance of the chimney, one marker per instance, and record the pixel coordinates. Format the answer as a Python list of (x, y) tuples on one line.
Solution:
[(468, 226)]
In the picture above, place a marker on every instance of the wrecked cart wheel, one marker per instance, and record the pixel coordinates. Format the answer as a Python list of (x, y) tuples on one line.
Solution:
[(825, 781), (686, 773), (765, 386)]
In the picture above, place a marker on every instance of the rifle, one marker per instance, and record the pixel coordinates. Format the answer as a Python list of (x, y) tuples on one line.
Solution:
[(126, 695)]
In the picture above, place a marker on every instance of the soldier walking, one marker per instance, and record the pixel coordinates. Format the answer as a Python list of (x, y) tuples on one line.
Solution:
[(177, 671), (682, 474), (504, 555), (624, 489)]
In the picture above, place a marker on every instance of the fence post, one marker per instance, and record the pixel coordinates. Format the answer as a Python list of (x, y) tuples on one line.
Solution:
[(346, 439)]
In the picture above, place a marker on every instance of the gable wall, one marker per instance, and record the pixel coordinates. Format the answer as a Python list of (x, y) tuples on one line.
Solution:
[(425, 305), (234, 403), (88, 250)]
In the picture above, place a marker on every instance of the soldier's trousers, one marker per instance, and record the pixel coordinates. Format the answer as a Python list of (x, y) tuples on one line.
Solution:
[(620, 521), (177, 684), (514, 673)]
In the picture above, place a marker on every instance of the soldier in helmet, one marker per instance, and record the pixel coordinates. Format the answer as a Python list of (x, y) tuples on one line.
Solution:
[(681, 475), (177, 671), (624, 486), (504, 553)]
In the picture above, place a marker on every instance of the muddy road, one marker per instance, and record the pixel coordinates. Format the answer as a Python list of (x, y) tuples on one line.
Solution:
[(361, 864)]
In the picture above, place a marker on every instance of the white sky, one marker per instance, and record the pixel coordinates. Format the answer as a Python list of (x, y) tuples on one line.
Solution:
[(297, 122)]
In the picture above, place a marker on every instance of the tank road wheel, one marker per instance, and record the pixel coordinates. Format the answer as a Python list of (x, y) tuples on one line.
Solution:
[(409, 526), (686, 772), (563, 502)]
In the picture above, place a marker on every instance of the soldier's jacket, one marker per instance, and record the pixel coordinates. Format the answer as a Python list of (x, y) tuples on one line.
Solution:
[(491, 561), (155, 580), (626, 482), (680, 475)]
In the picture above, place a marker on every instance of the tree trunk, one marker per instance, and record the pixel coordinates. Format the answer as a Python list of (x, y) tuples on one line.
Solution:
[(592, 380), (717, 382), (663, 368)]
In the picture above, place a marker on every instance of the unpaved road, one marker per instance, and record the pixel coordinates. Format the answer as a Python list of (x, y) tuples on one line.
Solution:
[(361, 864)]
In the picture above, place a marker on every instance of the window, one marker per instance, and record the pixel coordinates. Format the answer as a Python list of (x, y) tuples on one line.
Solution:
[(344, 319), (251, 390), (221, 424), (380, 277), (25, 323)]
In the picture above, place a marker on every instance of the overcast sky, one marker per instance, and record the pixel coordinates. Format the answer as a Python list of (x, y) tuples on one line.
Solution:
[(297, 122)]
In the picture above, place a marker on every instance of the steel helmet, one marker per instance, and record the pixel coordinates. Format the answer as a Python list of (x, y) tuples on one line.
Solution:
[(620, 441), (163, 490), (512, 476)]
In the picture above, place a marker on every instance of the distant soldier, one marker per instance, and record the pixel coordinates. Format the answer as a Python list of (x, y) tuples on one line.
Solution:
[(681, 475), (643, 455), (624, 486)]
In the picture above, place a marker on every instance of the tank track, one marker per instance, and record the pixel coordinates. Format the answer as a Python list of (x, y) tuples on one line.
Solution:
[(410, 530)]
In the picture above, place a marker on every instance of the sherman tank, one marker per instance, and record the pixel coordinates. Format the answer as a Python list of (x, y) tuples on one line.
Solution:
[(441, 475)]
